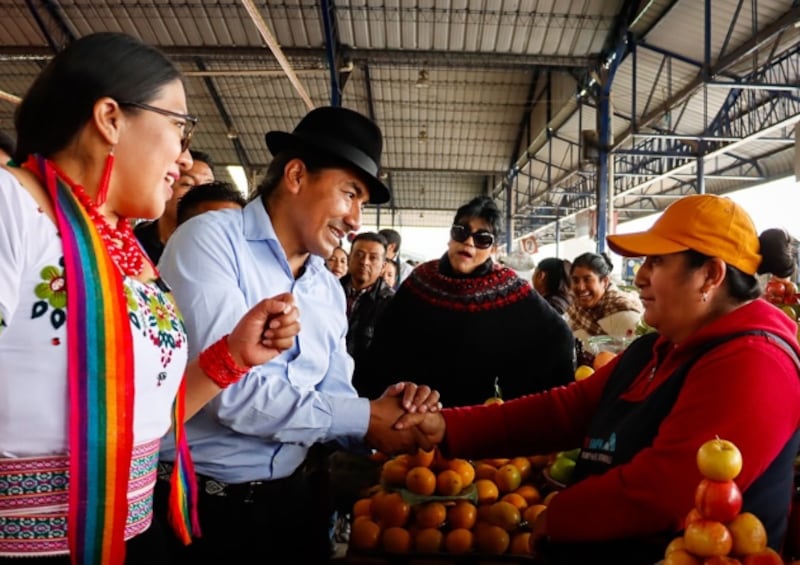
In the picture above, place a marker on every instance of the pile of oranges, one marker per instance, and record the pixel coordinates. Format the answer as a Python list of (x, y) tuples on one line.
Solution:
[(426, 503)]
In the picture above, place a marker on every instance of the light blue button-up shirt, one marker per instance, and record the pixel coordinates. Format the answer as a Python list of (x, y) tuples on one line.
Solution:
[(219, 264)]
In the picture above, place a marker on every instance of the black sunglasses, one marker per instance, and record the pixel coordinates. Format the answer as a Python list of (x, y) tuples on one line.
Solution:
[(482, 239), (188, 125)]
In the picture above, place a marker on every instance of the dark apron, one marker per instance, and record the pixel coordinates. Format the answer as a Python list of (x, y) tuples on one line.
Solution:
[(620, 429)]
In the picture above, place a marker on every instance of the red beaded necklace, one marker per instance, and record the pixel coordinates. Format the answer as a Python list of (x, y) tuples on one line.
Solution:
[(120, 242)]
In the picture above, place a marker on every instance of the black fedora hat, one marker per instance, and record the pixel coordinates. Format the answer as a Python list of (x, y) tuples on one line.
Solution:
[(343, 134)]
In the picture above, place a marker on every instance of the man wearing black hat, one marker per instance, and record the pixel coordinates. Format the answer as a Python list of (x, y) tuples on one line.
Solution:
[(250, 444)]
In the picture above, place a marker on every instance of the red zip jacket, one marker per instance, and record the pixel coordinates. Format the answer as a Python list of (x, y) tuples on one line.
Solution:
[(746, 391)]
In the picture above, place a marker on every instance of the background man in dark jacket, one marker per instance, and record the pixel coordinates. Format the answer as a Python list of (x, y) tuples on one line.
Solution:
[(367, 293)]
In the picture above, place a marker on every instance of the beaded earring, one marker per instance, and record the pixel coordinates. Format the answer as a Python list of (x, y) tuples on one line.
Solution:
[(105, 180)]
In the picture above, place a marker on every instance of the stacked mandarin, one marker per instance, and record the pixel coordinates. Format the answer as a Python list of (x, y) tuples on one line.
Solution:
[(426, 503)]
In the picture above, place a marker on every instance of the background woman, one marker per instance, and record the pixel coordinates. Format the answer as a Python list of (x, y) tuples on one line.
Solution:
[(599, 307), (463, 322), (93, 347), (551, 280), (720, 353), (337, 262)]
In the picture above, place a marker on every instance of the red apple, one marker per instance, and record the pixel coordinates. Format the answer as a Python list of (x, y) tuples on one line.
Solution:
[(706, 538), (767, 557), (749, 535), (718, 500), (719, 460)]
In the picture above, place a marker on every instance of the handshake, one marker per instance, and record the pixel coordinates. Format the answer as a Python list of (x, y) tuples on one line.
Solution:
[(405, 418)]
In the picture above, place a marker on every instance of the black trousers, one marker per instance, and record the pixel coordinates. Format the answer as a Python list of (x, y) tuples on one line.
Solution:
[(148, 548), (272, 522)]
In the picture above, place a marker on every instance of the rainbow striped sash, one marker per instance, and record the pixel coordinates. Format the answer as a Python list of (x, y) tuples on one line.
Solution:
[(100, 373)]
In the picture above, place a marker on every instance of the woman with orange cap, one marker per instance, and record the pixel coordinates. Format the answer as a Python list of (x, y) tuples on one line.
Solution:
[(723, 363)]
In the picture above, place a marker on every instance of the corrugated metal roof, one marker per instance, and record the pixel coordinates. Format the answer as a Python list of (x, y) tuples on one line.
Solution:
[(500, 107)]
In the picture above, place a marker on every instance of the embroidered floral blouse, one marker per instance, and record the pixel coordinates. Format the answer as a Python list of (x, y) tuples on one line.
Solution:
[(33, 348)]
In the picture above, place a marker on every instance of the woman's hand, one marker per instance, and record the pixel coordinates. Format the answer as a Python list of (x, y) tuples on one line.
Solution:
[(430, 425), (265, 331)]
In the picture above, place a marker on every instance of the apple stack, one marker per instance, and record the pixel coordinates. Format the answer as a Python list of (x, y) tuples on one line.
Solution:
[(716, 532)]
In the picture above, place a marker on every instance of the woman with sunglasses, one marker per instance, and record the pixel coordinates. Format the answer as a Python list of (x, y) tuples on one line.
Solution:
[(464, 324), (93, 356)]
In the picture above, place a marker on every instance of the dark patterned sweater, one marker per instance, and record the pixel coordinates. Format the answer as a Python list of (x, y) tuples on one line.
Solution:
[(458, 332)]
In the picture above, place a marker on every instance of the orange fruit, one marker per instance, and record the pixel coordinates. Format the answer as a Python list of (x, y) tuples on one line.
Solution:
[(549, 497), (396, 540), (602, 358), (497, 462), (463, 468), (520, 544), (681, 557), (487, 491), (516, 499), (430, 514), (448, 483), (390, 510), (524, 466), (393, 473), (677, 543), (530, 514), (463, 514), (421, 458), (492, 539), (458, 541), (428, 540), (361, 507), (530, 493), (505, 515), (421, 480), (365, 534), (484, 471), (483, 512), (508, 478)]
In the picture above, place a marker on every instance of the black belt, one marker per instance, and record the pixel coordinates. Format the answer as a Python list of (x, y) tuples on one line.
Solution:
[(246, 492)]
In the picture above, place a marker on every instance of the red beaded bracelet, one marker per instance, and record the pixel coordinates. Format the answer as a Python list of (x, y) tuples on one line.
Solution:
[(219, 365)]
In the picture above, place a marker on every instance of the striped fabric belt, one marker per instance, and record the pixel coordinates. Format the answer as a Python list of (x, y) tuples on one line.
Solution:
[(34, 496)]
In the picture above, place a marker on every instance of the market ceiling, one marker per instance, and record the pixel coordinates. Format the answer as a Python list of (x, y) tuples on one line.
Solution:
[(531, 101)]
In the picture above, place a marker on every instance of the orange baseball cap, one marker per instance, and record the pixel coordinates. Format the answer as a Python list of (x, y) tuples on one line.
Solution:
[(710, 224)]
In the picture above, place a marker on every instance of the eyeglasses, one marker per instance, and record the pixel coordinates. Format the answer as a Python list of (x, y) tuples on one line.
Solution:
[(482, 239), (188, 121)]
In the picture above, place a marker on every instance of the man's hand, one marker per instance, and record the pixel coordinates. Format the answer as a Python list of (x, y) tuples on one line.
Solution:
[(265, 331)]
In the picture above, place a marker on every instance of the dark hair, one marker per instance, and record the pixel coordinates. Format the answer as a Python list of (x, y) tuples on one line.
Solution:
[(314, 162), (203, 157), (599, 264), (392, 236), (777, 253), (394, 264), (556, 275), (61, 99), (215, 191), (369, 236), (7, 143), (740, 285), (481, 207)]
